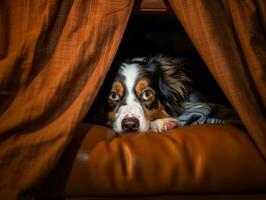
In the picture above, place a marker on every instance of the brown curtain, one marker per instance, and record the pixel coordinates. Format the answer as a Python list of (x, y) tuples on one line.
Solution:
[(230, 37), (54, 56)]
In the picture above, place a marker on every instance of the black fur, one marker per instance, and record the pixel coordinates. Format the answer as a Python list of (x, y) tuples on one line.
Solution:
[(170, 80)]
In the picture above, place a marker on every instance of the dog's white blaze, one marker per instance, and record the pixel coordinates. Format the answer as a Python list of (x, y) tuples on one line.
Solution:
[(133, 107), (130, 72)]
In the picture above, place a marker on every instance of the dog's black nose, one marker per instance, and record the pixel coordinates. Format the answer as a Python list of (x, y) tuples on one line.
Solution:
[(130, 124)]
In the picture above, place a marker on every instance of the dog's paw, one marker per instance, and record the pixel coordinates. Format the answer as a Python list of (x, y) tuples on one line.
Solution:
[(162, 125)]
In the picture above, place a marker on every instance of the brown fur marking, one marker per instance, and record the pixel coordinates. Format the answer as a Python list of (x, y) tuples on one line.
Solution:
[(153, 114), (140, 86)]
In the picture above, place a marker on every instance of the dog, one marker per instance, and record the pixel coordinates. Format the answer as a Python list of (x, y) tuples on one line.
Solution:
[(149, 93)]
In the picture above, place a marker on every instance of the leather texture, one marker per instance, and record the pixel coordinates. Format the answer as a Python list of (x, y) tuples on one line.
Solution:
[(200, 159)]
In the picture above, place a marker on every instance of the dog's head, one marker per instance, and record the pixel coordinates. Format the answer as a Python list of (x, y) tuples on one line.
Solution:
[(146, 89)]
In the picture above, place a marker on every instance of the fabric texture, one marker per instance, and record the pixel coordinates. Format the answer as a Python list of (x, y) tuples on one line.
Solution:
[(230, 37), (207, 113), (197, 113), (54, 56)]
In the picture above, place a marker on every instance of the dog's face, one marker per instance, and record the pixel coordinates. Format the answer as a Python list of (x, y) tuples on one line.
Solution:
[(133, 100), (139, 94)]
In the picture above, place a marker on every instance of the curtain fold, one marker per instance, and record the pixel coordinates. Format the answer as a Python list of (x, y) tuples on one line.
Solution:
[(230, 37), (54, 56)]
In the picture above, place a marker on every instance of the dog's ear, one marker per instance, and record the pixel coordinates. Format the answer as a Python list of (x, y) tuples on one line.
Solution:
[(173, 84)]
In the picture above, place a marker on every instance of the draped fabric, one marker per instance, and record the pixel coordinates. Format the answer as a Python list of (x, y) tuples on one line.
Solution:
[(54, 56), (230, 37)]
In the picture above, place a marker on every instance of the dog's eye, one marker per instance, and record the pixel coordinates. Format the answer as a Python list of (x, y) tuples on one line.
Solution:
[(147, 95), (114, 96)]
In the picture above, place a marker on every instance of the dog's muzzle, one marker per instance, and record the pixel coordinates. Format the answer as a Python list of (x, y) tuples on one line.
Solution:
[(130, 118)]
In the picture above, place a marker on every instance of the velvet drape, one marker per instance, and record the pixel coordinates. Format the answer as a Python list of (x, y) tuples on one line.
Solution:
[(54, 56), (230, 37)]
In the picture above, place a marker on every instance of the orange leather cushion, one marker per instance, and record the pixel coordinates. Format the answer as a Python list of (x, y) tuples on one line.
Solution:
[(193, 159)]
